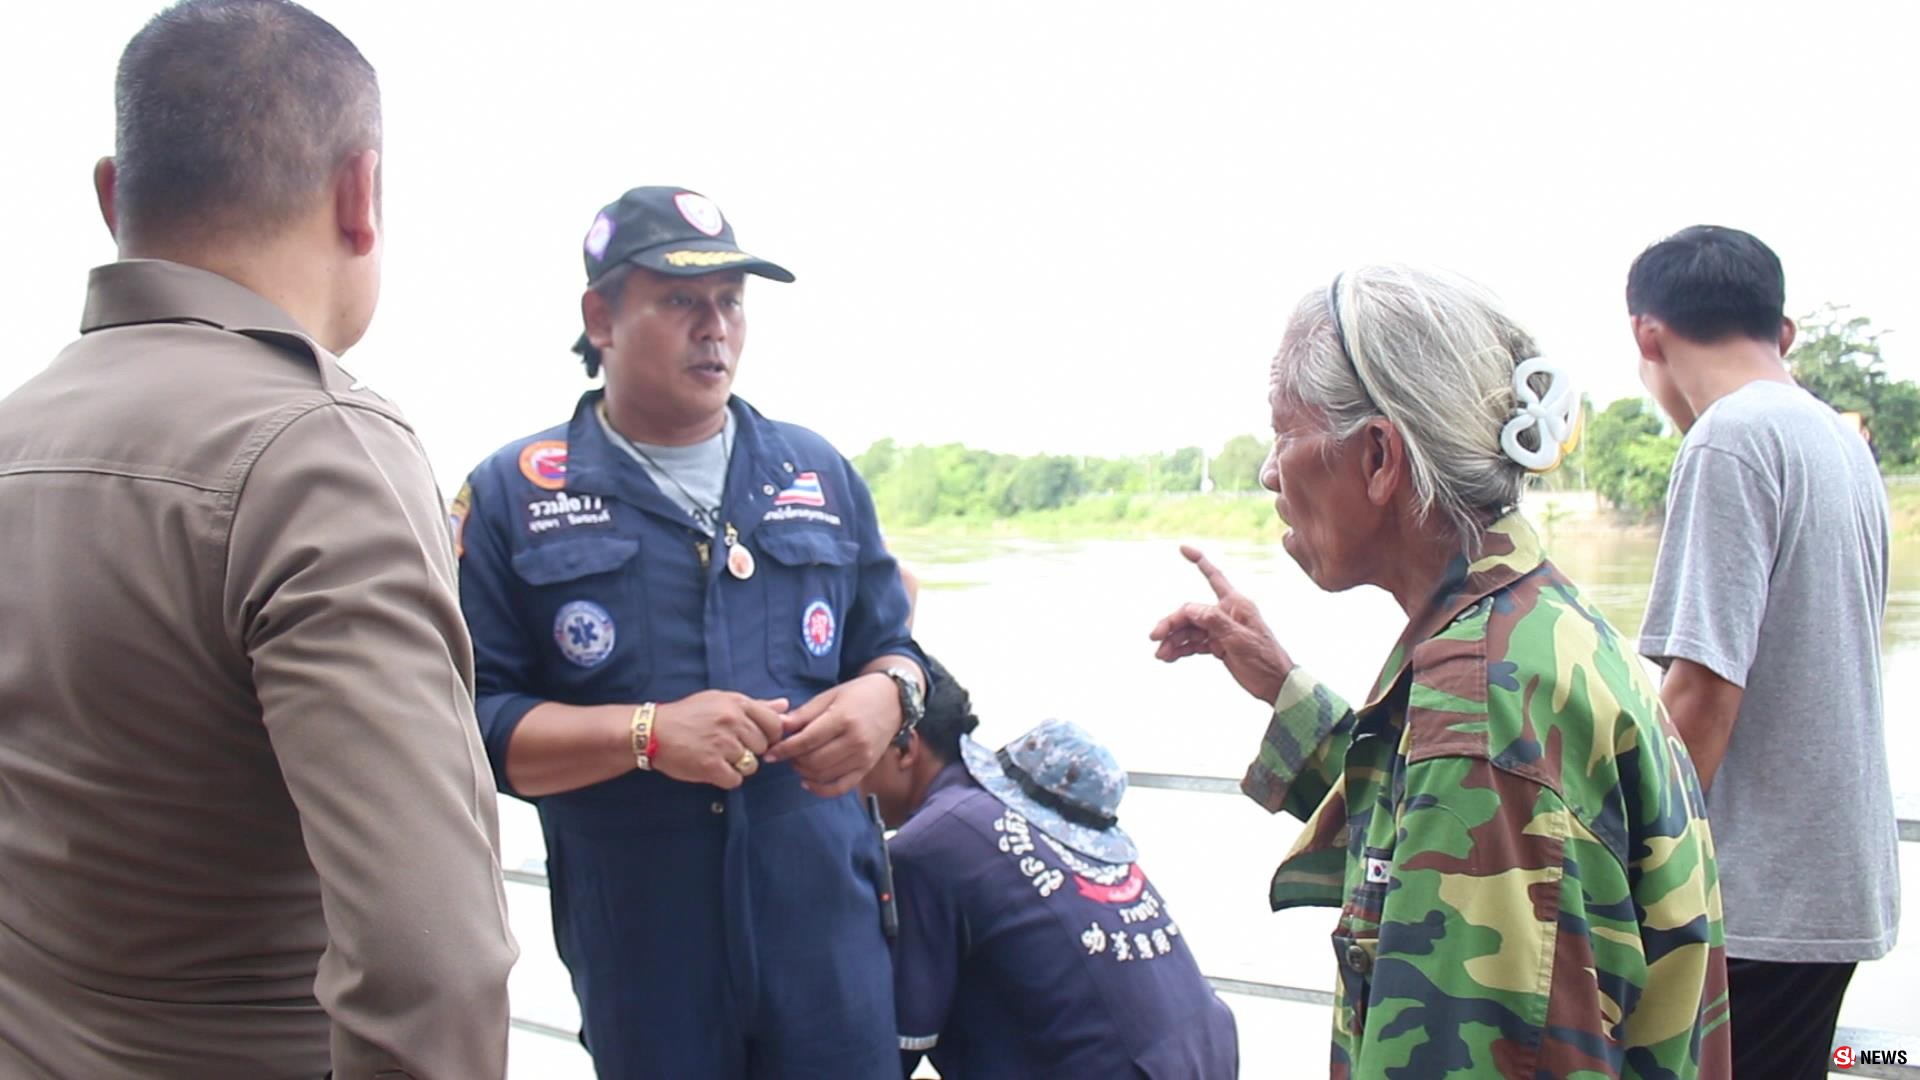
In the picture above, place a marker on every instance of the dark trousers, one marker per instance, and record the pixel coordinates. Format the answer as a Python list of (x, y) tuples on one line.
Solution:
[(1783, 1017), (737, 943)]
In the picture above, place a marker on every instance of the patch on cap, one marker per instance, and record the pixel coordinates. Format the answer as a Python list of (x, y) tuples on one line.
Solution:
[(700, 212), (599, 236)]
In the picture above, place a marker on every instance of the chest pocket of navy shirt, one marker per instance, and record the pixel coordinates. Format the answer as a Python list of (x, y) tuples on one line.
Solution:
[(807, 601), (585, 608)]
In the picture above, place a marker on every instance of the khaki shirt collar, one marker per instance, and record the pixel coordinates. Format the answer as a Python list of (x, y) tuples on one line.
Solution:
[(135, 291)]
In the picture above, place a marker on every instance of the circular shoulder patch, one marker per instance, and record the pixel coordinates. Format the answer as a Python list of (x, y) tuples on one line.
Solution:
[(545, 463), (584, 632), (817, 628)]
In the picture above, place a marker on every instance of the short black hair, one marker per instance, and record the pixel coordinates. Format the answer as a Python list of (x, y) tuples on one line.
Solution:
[(1710, 283), (234, 114), (949, 714)]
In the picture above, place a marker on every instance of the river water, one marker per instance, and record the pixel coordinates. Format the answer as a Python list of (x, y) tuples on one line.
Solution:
[(1039, 629)]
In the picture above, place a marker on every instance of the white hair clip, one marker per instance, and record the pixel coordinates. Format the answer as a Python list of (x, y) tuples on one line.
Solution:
[(1555, 416)]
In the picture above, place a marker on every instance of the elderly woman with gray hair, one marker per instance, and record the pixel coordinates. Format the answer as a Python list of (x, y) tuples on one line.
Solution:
[(1509, 825)]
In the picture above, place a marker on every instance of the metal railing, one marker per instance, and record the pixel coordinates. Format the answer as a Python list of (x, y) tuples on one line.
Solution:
[(1857, 1038)]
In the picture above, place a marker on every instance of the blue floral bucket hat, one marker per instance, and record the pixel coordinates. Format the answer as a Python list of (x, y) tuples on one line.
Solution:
[(1061, 781)]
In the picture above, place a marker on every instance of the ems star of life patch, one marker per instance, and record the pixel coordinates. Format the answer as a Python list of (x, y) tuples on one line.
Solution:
[(804, 491), (584, 632)]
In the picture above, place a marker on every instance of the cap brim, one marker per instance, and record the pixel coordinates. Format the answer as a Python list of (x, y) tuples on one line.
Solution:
[(694, 258)]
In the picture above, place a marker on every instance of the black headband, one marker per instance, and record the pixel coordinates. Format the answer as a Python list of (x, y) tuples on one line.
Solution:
[(1073, 812), (1340, 335)]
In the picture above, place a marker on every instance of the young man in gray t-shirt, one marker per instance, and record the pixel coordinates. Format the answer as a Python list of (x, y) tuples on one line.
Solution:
[(1766, 610)]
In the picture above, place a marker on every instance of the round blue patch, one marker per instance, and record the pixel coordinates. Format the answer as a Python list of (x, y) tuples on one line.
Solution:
[(817, 627), (584, 632)]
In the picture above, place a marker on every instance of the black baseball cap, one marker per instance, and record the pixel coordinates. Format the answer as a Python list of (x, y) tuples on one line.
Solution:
[(668, 230)]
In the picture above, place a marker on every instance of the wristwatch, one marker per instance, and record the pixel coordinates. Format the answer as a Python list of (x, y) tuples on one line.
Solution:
[(912, 703)]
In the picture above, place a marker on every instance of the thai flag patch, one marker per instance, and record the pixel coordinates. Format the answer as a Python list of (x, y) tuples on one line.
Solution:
[(804, 491)]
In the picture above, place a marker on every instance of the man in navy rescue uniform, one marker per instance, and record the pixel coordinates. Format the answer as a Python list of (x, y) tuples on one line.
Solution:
[(690, 645), (1031, 942)]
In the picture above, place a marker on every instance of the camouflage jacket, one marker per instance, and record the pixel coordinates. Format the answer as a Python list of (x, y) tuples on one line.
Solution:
[(1515, 837)]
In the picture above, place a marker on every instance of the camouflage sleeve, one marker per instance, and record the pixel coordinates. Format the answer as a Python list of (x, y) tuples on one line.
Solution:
[(1483, 963), (1304, 749)]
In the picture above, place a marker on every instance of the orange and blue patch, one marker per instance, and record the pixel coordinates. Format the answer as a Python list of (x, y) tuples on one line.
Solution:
[(817, 627), (544, 463)]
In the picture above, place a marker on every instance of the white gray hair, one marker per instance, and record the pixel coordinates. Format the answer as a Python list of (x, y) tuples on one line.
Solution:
[(1435, 355)]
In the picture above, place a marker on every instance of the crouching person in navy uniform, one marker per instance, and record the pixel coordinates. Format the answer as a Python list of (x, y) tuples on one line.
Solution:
[(690, 646), (1031, 943)]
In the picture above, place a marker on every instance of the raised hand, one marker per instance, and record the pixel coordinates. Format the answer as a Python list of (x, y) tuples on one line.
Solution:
[(715, 736), (1230, 628)]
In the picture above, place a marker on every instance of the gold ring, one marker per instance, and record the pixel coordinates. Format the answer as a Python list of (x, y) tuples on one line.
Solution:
[(746, 763)]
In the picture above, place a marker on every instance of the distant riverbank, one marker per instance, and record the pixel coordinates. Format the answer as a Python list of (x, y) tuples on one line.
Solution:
[(1119, 517), (1251, 517), (1904, 495)]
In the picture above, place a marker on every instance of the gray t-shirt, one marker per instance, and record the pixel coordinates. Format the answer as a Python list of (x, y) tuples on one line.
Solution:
[(1773, 575), (694, 477)]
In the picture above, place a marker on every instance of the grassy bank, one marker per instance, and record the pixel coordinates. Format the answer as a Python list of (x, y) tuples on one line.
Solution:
[(1251, 517), (1905, 501), (1107, 517)]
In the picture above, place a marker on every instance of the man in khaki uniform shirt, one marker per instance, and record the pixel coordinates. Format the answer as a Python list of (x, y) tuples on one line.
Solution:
[(246, 826)]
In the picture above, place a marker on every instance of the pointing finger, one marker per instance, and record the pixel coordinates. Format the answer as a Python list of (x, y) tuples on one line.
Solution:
[(1216, 580)]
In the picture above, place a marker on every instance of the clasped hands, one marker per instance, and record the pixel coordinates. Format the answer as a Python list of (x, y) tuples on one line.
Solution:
[(720, 737)]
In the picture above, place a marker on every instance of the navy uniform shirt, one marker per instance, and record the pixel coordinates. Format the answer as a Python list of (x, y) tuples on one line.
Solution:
[(1019, 957), (582, 583)]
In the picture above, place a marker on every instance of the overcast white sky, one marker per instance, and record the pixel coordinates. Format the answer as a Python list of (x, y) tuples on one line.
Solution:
[(1074, 227)]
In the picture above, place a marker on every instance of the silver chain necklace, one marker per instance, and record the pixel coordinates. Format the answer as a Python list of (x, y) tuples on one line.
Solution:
[(707, 519)]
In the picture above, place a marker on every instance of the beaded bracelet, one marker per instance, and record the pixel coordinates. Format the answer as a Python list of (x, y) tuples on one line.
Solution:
[(645, 744)]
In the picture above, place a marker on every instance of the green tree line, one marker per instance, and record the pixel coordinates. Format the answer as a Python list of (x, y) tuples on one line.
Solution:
[(918, 484), (1626, 453)]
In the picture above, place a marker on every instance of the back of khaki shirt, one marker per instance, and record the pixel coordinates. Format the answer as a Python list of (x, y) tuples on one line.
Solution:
[(246, 824)]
